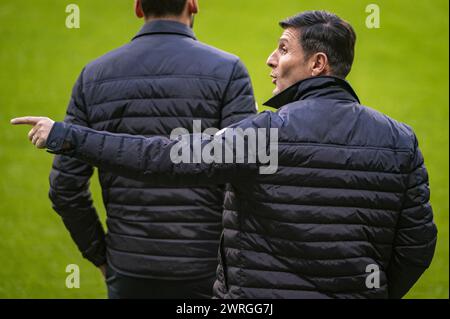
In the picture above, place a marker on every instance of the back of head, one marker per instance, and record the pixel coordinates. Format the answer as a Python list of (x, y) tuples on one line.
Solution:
[(163, 8)]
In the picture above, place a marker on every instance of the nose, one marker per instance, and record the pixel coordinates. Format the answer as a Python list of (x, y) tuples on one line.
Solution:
[(272, 61)]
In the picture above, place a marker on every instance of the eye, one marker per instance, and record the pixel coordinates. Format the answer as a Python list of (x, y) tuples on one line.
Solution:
[(282, 49)]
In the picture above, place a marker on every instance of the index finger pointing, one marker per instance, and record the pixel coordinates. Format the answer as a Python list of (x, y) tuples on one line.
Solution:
[(30, 120)]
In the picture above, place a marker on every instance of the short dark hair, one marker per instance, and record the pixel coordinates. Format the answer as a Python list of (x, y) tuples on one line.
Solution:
[(161, 8), (322, 31)]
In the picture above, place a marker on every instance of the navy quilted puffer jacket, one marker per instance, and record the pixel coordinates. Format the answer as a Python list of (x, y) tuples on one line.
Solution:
[(348, 203), (163, 79)]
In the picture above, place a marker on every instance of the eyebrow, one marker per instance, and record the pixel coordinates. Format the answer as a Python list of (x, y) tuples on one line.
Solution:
[(283, 41)]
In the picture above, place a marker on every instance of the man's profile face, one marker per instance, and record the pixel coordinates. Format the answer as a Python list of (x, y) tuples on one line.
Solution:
[(288, 61)]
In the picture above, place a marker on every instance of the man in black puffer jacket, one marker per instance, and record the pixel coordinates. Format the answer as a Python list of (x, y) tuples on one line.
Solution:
[(162, 241), (347, 212)]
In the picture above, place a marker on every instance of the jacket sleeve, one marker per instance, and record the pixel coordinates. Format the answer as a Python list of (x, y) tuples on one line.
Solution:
[(416, 232), (69, 191), (155, 158), (238, 101)]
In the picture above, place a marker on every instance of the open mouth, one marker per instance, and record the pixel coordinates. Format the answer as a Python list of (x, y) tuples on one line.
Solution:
[(274, 79)]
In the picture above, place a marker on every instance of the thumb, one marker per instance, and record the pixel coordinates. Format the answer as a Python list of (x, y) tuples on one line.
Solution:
[(30, 120)]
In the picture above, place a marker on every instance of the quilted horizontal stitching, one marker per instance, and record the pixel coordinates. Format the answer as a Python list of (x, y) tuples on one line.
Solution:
[(306, 275), (325, 205), (361, 147), (156, 76), (181, 239), (344, 170), (325, 223), (178, 221), (296, 257), (335, 188), (183, 98), (163, 205), (153, 255), (334, 241), (175, 117)]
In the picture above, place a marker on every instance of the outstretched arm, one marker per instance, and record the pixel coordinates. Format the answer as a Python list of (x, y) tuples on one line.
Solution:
[(156, 157)]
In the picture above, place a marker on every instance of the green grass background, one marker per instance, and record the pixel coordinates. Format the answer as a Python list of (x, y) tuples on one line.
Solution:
[(400, 69)]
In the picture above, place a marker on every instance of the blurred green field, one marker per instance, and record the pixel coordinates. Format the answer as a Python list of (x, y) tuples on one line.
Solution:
[(400, 69)]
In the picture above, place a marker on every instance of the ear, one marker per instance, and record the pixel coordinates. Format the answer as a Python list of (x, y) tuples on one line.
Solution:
[(319, 64), (192, 6), (138, 9)]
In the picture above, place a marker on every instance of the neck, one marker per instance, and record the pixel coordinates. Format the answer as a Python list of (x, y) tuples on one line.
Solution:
[(181, 19)]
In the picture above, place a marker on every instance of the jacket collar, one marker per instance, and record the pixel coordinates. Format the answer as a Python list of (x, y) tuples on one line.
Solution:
[(315, 87), (165, 27)]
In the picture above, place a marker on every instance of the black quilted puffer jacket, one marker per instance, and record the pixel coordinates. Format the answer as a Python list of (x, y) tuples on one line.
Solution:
[(163, 79), (348, 203)]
